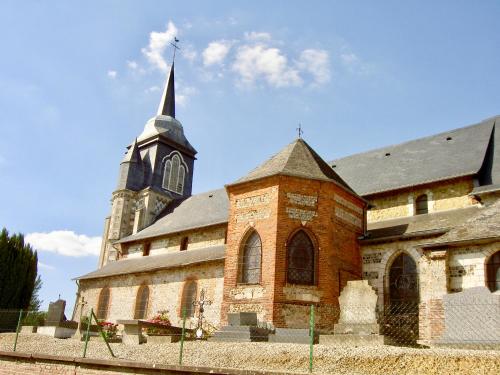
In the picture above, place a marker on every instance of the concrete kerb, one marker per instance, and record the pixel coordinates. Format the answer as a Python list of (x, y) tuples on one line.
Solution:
[(123, 365)]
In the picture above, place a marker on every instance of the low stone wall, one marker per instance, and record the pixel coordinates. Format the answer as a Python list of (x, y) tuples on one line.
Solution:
[(23, 363)]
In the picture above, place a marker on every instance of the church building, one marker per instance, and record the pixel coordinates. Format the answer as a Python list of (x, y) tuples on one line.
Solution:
[(417, 220)]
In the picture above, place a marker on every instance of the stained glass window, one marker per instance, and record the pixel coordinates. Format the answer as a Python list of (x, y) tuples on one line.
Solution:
[(141, 302), (301, 259), (251, 260)]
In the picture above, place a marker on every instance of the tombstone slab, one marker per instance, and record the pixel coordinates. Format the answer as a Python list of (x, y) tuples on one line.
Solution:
[(471, 317), (357, 324), (55, 314)]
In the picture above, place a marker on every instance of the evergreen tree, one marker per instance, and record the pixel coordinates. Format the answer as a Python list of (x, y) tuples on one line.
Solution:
[(18, 271), (36, 302)]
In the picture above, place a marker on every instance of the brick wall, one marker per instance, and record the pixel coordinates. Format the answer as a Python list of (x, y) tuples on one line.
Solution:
[(277, 208)]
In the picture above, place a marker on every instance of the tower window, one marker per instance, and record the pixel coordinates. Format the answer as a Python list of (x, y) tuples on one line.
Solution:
[(145, 249), (174, 173), (421, 205)]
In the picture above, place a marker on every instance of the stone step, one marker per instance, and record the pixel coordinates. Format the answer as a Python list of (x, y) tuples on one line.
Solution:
[(234, 335), (293, 339), (292, 331)]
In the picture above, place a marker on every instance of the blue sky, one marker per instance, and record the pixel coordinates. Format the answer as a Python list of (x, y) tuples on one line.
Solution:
[(78, 81)]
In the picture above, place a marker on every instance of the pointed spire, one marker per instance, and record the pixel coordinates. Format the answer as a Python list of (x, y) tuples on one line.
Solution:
[(132, 155), (167, 104)]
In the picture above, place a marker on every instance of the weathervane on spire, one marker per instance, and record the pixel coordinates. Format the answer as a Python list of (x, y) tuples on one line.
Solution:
[(299, 130), (174, 44)]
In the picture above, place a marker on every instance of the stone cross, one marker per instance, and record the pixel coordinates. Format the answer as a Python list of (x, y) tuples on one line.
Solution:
[(81, 304), (201, 309)]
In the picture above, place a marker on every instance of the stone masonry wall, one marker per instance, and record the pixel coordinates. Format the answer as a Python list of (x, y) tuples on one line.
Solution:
[(441, 197), (197, 239), (166, 287)]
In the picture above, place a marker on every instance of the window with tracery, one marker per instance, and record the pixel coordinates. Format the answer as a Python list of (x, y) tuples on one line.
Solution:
[(141, 302), (174, 173), (250, 261), (493, 272), (421, 204), (188, 297), (301, 262), (103, 303)]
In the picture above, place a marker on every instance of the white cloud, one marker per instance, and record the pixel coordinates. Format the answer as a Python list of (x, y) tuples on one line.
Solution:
[(259, 61), (216, 52), (132, 65), (152, 89), (317, 63), (45, 266), (158, 41), (354, 64), (112, 74), (258, 36), (65, 242), (183, 94), (189, 53)]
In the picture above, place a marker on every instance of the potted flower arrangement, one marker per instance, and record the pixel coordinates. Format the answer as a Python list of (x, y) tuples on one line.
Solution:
[(162, 333), (109, 329)]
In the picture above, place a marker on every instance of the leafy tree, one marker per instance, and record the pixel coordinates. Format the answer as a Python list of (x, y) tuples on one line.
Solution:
[(18, 271), (35, 301)]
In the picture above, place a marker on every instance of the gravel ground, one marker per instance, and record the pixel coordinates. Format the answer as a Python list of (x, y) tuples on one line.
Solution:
[(278, 357)]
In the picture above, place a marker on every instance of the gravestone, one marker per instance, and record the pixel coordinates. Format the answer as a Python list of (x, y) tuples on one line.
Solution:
[(56, 324), (471, 318), (55, 314), (358, 317), (242, 328)]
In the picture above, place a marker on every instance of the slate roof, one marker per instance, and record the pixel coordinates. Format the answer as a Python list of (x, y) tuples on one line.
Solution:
[(197, 211), (297, 159), (455, 153), (156, 262), (484, 224), (436, 223)]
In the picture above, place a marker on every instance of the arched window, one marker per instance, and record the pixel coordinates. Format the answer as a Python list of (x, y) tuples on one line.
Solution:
[(166, 173), (174, 173), (103, 303), (493, 272), (141, 302), (251, 259), (421, 205), (188, 297), (301, 262), (184, 243), (403, 280)]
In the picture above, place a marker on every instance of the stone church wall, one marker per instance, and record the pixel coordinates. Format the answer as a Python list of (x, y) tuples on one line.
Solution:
[(166, 287), (442, 197), (197, 239)]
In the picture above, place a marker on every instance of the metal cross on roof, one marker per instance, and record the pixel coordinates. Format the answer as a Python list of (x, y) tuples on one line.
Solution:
[(299, 130), (174, 44)]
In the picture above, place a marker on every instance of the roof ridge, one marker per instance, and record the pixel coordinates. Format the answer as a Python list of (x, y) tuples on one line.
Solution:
[(484, 122)]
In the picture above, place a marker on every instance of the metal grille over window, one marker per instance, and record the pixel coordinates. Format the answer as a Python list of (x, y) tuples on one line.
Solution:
[(141, 303), (421, 205), (251, 260), (493, 272), (301, 259), (103, 304), (188, 297)]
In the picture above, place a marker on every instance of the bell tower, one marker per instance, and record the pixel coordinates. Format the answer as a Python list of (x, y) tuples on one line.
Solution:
[(156, 170)]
